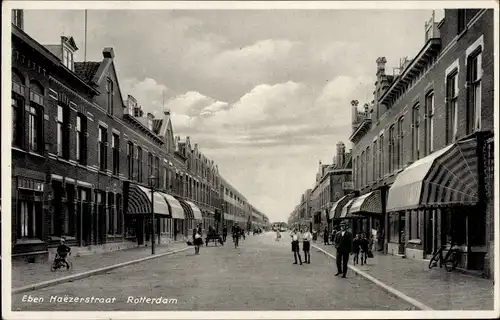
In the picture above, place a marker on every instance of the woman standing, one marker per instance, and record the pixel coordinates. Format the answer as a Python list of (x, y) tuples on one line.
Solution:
[(306, 245), (197, 240), (295, 245)]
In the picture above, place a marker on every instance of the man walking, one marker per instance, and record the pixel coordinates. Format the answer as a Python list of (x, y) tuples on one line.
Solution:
[(343, 243), (224, 233)]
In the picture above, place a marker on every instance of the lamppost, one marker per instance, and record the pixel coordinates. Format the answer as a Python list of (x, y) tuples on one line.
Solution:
[(152, 180)]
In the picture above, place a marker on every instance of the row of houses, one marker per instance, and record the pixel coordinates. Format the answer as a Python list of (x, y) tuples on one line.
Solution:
[(422, 150), (90, 166)]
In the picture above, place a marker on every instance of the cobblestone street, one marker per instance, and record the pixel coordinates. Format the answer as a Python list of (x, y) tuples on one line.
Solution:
[(257, 276)]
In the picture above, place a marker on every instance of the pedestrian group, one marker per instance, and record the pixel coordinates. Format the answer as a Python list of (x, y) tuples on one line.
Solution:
[(360, 246)]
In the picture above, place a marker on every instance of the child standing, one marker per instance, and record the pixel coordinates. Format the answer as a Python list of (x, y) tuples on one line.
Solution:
[(356, 248), (363, 242)]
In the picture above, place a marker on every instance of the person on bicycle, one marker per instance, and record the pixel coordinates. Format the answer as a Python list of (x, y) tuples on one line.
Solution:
[(62, 252)]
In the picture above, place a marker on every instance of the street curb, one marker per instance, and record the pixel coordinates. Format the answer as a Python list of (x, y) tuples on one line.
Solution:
[(384, 286), (86, 274)]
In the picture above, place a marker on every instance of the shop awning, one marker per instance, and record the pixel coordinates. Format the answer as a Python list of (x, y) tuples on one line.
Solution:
[(175, 206), (345, 209), (188, 212), (139, 201), (368, 203), (446, 177), (337, 206), (196, 211)]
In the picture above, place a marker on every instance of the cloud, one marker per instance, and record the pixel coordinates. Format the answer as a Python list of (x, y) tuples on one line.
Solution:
[(148, 92)]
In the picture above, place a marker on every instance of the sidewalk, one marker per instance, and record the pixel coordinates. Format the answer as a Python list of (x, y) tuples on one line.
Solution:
[(32, 273), (436, 288)]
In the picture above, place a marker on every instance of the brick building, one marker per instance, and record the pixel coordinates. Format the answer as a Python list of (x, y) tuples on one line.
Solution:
[(84, 160), (423, 147), (333, 182)]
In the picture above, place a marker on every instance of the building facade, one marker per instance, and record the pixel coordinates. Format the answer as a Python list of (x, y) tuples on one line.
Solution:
[(333, 182), (85, 160), (422, 149)]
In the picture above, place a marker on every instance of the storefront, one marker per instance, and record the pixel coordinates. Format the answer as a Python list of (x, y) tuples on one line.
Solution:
[(193, 216), (368, 208), (139, 208), (436, 201), (337, 209), (28, 212)]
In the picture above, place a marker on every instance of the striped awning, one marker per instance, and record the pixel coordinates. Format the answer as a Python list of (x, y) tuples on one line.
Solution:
[(447, 177), (196, 211), (370, 203), (139, 201), (175, 207), (188, 212), (346, 210), (336, 210)]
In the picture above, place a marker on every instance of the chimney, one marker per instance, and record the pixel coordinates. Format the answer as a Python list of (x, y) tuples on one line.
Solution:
[(108, 53), (354, 106), (18, 18), (340, 154), (381, 61)]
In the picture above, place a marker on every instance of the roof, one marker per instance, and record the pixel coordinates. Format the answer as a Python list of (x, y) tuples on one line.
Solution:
[(86, 70)]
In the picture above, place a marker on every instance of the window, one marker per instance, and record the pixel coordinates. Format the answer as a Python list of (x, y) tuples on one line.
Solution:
[(462, 20), (17, 123), (17, 102), (452, 106), (415, 224), (103, 148), (400, 143), (35, 133), (397, 227), (157, 169), (109, 95), (139, 164), (130, 160), (429, 124), (26, 218), (392, 153), (382, 156), (68, 58), (416, 131), (150, 165), (368, 155), (165, 178), (474, 73), (34, 125), (60, 130), (81, 139), (116, 153), (374, 160), (362, 177)]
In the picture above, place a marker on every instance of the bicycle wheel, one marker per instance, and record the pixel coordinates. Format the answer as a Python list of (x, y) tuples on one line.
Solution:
[(435, 258), (53, 267), (452, 262)]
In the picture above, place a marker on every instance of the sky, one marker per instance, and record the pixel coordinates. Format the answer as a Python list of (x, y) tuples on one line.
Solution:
[(265, 93)]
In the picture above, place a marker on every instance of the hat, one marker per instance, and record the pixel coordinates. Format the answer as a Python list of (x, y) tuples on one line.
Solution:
[(343, 223)]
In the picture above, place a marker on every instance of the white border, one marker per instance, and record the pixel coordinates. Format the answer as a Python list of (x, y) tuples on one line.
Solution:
[(6, 155)]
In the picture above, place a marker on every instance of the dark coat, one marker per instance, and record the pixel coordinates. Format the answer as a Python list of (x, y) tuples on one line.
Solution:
[(343, 243)]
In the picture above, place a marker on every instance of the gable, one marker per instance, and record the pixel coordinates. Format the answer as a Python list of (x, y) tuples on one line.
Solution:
[(109, 71)]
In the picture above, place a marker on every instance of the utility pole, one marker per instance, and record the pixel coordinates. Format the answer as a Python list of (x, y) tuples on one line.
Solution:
[(85, 44)]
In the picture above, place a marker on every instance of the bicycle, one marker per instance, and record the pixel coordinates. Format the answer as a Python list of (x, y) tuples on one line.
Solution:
[(450, 261)]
